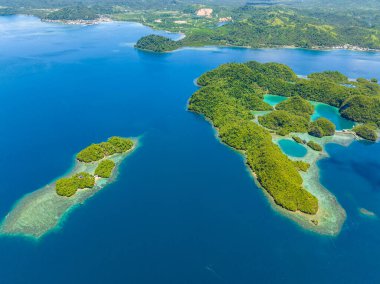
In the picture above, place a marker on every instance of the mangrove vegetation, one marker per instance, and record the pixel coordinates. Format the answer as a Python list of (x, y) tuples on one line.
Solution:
[(96, 152), (315, 146), (68, 186), (105, 168), (366, 131), (321, 127)]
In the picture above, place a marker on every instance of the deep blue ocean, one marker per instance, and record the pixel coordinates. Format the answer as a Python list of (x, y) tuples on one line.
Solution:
[(184, 208)]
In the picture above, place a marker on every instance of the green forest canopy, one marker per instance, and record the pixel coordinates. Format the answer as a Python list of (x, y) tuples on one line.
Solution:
[(284, 122), (287, 23), (220, 101), (278, 26), (157, 43), (69, 186), (360, 103), (321, 127), (105, 168), (96, 152), (315, 146), (366, 131), (298, 106), (277, 174)]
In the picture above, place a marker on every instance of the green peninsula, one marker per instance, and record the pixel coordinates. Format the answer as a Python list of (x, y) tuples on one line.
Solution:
[(225, 99), (42, 211), (156, 43)]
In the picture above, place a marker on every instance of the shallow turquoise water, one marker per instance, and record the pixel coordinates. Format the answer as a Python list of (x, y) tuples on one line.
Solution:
[(331, 113), (321, 110), (273, 100), (184, 209), (292, 148)]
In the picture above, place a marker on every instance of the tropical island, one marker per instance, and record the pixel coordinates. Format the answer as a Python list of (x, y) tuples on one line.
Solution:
[(42, 211), (231, 97)]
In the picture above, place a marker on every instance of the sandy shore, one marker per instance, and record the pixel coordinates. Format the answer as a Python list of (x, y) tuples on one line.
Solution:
[(331, 215)]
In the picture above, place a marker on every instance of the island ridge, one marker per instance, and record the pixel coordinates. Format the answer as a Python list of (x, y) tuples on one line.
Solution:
[(231, 98)]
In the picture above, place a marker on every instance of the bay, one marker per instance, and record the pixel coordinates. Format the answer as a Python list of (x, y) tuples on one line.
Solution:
[(184, 208)]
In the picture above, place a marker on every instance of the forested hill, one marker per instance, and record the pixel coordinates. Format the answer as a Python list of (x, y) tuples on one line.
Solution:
[(140, 4), (279, 26), (135, 4), (258, 24), (169, 4), (339, 4)]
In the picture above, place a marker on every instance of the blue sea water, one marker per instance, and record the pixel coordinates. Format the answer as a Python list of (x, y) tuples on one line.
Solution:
[(292, 148), (184, 208)]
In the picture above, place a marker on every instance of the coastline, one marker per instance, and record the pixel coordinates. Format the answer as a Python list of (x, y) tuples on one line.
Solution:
[(326, 49), (303, 220), (97, 21), (182, 36), (42, 211), (353, 48), (331, 215)]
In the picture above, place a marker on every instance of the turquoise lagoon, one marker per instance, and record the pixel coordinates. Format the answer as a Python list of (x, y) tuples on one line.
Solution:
[(321, 110), (184, 208), (292, 148), (331, 113), (274, 100)]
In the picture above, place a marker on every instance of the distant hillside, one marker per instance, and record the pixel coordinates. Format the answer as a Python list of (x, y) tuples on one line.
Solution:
[(173, 4), (273, 26), (339, 4), (136, 4), (62, 3)]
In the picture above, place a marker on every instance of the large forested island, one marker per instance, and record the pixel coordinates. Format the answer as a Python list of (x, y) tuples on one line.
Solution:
[(41, 211), (256, 24), (231, 98), (273, 26)]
